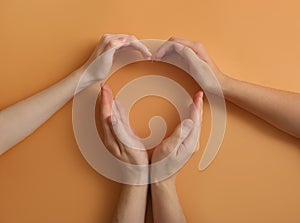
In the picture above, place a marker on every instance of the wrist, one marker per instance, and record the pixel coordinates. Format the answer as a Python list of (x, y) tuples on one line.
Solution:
[(165, 184), (229, 86), (135, 188), (225, 83), (84, 80)]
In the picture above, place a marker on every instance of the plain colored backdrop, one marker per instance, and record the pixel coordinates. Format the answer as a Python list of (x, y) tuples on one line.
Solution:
[(256, 175)]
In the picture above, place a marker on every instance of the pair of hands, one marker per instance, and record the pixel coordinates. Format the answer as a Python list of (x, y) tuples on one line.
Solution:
[(121, 141), (119, 138), (192, 53)]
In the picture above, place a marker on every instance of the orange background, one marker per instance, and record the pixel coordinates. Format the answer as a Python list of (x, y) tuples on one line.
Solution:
[(256, 175)]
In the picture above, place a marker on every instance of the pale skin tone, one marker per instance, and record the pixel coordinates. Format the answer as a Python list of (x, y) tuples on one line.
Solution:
[(20, 120), (274, 106), (23, 118), (279, 108), (165, 202), (133, 199)]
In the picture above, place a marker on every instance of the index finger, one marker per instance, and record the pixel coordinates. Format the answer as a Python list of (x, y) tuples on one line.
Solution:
[(191, 142), (134, 43), (198, 48), (167, 48)]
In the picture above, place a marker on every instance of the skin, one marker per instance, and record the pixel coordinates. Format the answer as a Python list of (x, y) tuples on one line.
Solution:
[(274, 106), (133, 199), (165, 201), (277, 107), (23, 118)]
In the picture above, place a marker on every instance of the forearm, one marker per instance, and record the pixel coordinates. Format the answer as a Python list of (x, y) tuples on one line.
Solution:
[(21, 119), (132, 204), (149, 210), (165, 203), (279, 108)]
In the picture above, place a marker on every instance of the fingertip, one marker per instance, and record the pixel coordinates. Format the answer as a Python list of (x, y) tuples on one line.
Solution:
[(198, 98), (107, 88), (201, 94)]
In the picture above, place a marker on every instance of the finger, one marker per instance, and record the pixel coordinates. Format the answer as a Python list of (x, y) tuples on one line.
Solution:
[(137, 45), (113, 41), (196, 111), (126, 41), (105, 39), (115, 44), (183, 42), (167, 48), (125, 122), (198, 48), (105, 112), (198, 101), (178, 136), (106, 101), (122, 113)]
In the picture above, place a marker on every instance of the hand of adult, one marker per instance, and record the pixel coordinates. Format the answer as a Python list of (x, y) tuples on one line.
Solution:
[(97, 67)]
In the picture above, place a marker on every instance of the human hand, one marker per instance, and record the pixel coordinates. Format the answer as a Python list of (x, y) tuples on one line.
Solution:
[(119, 138), (97, 67), (181, 144), (193, 53)]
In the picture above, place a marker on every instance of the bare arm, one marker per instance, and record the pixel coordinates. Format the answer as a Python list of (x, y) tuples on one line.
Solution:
[(115, 125), (20, 120), (182, 143), (279, 108), (23, 118), (166, 204), (132, 204)]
